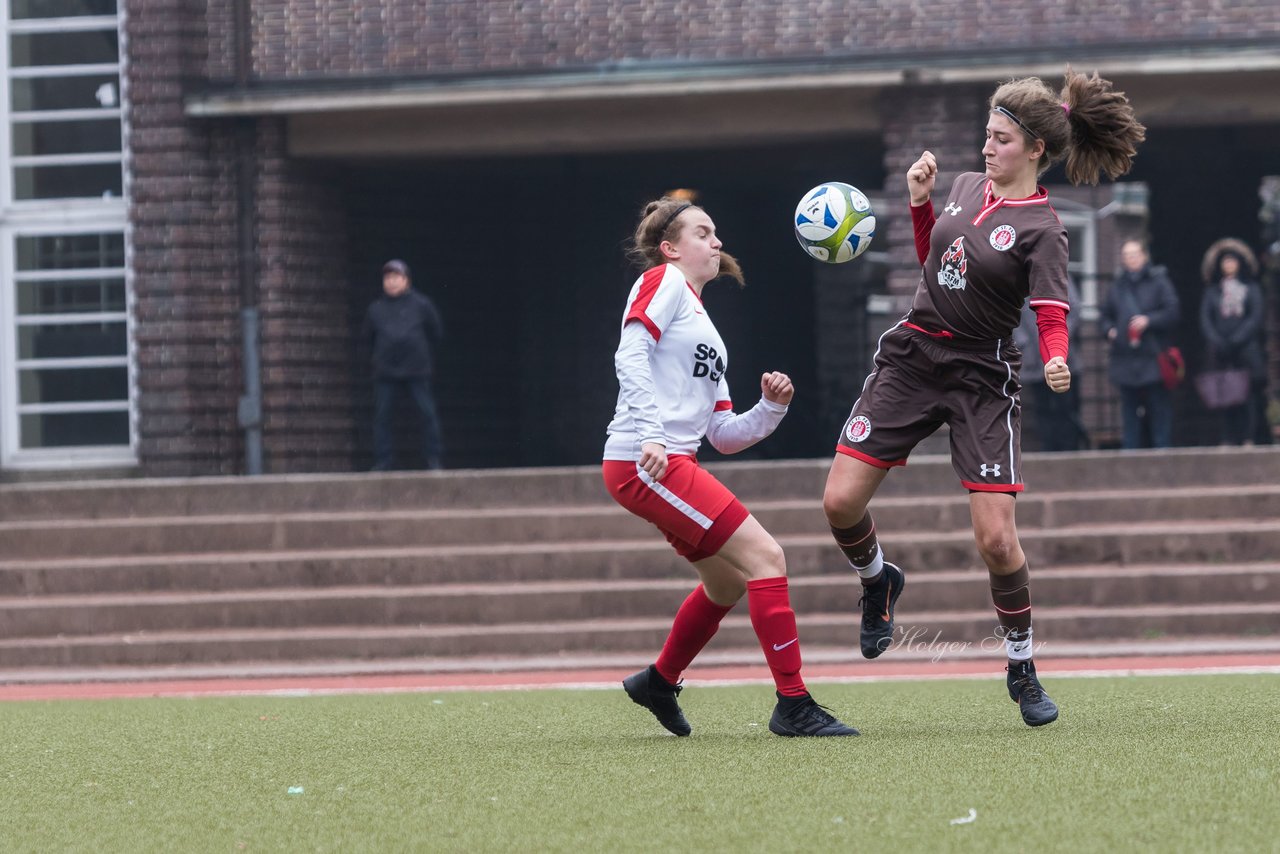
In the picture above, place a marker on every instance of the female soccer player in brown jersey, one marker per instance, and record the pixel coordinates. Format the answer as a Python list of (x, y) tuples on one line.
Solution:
[(951, 359)]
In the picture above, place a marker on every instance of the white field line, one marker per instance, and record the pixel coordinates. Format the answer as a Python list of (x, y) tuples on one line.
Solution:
[(707, 683)]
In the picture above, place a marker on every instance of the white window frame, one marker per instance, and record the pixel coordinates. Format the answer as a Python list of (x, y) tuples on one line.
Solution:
[(55, 25), (1084, 271), (37, 217), (12, 455)]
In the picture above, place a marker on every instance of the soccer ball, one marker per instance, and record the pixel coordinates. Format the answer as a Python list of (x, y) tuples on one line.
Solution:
[(834, 222)]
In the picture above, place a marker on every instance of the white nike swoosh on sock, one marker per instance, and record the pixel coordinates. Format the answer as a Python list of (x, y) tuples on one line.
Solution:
[(777, 647)]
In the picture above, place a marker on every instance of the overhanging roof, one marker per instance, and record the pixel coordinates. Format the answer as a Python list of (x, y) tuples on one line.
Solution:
[(664, 79), (638, 106)]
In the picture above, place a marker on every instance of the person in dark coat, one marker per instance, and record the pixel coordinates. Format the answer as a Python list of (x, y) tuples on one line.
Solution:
[(1232, 323), (1056, 416), (404, 330), (1138, 316)]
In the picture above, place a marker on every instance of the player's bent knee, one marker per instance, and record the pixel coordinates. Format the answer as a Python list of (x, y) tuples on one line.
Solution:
[(754, 552), (842, 506), (997, 549), (725, 593)]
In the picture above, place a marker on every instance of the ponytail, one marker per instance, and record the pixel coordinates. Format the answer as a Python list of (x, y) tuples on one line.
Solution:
[(1088, 123)]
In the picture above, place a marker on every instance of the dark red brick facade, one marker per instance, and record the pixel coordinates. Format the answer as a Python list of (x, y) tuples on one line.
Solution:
[(310, 38), (183, 219), (186, 269), (186, 265)]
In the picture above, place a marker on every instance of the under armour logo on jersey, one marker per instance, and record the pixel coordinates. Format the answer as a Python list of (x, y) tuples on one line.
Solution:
[(952, 208), (707, 363), (990, 471)]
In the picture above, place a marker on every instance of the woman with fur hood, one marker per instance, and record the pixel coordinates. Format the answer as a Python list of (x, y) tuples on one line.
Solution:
[(1232, 318)]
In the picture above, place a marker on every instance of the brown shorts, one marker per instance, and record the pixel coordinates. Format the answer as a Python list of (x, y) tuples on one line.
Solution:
[(920, 383)]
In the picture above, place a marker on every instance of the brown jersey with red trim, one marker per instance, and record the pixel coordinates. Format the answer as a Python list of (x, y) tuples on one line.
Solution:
[(986, 256)]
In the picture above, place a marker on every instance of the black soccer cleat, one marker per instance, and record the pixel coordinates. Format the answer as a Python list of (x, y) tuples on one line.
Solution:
[(877, 604), (1025, 690), (802, 716), (647, 688)]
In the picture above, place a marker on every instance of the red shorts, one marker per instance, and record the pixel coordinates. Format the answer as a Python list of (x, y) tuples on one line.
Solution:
[(696, 512)]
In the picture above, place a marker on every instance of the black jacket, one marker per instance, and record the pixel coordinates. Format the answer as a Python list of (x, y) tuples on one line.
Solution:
[(404, 332), (1234, 342), (1148, 292)]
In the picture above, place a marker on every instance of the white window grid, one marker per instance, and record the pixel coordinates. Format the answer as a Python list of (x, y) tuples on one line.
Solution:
[(11, 365), (56, 25), (61, 216)]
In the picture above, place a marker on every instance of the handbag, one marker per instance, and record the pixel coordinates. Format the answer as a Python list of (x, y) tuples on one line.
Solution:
[(1223, 388), (1173, 368)]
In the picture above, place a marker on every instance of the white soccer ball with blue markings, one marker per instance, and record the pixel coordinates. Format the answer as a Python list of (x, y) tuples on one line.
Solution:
[(834, 222)]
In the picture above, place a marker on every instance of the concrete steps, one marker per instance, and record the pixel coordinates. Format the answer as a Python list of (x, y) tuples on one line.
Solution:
[(577, 486), (1200, 544), (22, 542), (530, 565), (562, 602)]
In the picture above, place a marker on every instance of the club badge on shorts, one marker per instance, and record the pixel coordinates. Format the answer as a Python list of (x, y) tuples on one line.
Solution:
[(1002, 238), (858, 428)]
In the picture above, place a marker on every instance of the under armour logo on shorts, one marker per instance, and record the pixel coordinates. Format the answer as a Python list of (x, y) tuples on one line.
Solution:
[(990, 471)]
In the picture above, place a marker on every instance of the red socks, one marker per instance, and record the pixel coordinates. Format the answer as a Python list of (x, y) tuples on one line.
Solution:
[(769, 603), (696, 623), (774, 622)]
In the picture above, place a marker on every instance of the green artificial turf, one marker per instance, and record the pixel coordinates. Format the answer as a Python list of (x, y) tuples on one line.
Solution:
[(1135, 763)]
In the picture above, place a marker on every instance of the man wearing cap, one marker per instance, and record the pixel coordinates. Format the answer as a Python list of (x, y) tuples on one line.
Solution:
[(403, 329)]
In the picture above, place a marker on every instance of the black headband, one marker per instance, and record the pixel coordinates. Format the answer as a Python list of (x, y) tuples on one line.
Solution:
[(672, 218), (1011, 117)]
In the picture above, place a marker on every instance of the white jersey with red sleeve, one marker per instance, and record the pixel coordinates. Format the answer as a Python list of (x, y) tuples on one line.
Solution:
[(671, 366)]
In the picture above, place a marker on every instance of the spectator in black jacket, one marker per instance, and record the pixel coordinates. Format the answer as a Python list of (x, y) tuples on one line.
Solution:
[(1232, 321), (404, 329), (1138, 317)]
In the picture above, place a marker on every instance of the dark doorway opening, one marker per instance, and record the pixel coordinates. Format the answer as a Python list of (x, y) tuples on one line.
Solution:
[(525, 258)]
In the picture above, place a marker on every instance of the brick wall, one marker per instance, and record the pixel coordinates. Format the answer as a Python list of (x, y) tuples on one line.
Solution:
[(182, 212), (186, 269), (303, 287), (304, 38)]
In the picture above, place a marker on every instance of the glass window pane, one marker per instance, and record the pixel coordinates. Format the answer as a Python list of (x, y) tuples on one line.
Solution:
[(85, 181), (72, 385), (1075, 243), (71, 341), (83, 136), (70, 251), (71, 48), (70, 296), (71, 429), (23, 10), (91, 92)]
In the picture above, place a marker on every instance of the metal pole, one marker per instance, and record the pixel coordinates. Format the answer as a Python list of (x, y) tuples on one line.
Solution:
[(250, 409)]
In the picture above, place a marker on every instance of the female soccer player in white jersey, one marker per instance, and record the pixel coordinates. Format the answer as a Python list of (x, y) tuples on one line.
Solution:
[(671, 367), (951, 359)]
